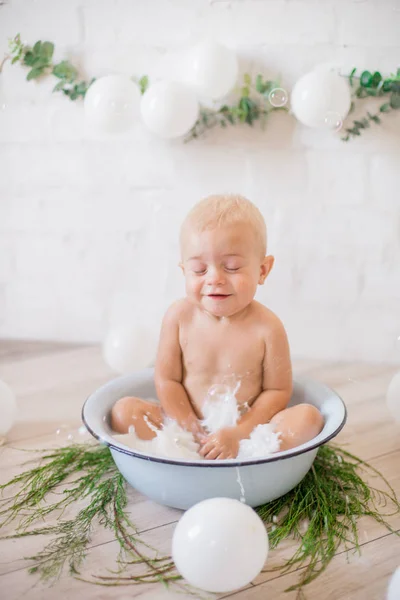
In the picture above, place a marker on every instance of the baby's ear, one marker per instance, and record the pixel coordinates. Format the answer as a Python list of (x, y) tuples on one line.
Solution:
[(265, 268), (181, 266)]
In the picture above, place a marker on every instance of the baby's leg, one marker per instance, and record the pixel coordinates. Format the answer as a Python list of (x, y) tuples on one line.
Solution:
[(297, 425), (129, 411)]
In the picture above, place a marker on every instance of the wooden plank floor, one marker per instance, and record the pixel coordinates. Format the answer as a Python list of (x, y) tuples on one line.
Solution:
[(52, 381)]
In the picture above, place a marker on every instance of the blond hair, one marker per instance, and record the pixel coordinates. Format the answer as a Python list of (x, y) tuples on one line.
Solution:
[(222, 210)]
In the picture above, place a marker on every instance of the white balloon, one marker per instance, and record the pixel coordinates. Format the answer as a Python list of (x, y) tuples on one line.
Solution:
[(8, 410), (393, 397), (169, 109), (220, 545), (319, 95), (130, 347), (112, 103), (212, 69), (393, 592)]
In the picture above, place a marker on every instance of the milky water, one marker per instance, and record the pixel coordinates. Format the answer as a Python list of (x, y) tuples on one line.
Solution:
[(220, 409), (239, 480)]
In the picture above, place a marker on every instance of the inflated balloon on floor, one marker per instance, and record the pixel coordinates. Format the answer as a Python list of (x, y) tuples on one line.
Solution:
[(169, 109), (8, 410), (112, 103), (130, 347), (393, 397), (393, 592), (212, 69), (220, 545), (321, 99)]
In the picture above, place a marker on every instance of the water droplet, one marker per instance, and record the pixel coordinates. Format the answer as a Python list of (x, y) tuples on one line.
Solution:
[(70, 436), (274, 519), (219, 390), (82, 430), (278, 97), (333, 121), (273, 527), (62, 428), (3, 106)]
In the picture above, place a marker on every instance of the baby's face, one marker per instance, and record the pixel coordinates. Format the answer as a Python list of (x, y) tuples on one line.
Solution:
[(222, 268)]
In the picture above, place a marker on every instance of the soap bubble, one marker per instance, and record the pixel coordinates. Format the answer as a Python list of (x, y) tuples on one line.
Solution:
[(278, 97), (333, 121)]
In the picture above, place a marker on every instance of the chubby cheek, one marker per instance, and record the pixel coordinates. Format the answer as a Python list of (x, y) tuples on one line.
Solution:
[(245, 287), (193, 286)]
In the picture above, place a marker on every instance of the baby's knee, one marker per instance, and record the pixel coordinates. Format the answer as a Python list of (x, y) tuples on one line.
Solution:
[(124, 413), (312, 417)]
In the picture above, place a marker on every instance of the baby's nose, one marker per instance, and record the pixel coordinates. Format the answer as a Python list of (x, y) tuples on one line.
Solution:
[(215, 276)]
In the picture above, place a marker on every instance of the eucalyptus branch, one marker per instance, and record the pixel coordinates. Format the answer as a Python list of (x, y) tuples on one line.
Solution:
[(3, 62), (253, 102), (373, 85), (253, 105), (39, 60)]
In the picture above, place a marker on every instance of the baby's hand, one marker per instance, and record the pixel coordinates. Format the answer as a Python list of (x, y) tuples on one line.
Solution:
[(222, 444), (199, 433)]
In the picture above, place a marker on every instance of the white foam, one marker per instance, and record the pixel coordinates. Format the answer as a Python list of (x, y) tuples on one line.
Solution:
[(170, 442), (220, 409), (263, 441)]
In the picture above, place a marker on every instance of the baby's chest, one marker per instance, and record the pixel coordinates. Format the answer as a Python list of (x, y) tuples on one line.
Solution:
[(237, 351)]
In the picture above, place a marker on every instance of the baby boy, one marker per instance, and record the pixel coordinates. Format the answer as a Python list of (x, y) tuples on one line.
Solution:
[(218, 332)]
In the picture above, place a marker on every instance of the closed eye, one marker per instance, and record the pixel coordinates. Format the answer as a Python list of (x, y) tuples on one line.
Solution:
[(200, 272), (232, 270)]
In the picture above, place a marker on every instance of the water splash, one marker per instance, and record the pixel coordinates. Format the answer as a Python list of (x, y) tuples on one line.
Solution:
[(239, 480), (220, 408)]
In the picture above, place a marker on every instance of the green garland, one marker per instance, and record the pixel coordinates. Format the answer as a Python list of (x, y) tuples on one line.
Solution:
[(253, 103), (320, 514)]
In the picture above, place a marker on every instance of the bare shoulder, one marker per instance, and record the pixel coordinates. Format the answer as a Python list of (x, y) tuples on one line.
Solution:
[(270, 322), (177, 312)]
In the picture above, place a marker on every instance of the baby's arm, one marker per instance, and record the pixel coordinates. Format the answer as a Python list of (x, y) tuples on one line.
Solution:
[(168, 375), (277, 381), (277, 390)]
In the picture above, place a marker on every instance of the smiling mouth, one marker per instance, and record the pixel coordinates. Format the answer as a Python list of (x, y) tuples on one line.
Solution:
[(219, 296)]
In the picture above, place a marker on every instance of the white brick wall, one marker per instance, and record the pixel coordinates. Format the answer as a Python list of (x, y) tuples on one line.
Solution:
[(82, 214)]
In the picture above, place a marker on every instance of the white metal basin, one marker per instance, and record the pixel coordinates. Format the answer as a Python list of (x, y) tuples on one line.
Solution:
[(181, 483)]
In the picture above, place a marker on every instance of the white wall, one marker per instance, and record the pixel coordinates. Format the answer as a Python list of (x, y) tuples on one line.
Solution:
[(78, 211)]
